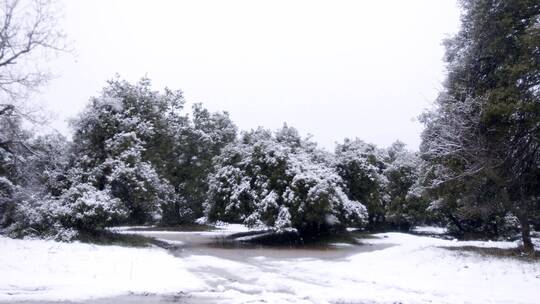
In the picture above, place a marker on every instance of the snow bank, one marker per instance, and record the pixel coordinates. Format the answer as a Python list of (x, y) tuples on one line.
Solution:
[(220, 230), (233, 228), (48, 270), (430, 230), (126, 228)]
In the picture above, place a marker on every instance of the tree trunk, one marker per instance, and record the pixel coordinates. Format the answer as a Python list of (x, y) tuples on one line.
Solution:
[(526, 232)]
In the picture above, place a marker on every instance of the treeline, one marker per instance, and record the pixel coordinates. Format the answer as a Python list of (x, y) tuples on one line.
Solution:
[(137, 156)]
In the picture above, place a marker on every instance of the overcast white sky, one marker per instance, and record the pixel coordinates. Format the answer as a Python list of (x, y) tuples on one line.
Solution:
[(333, 69)]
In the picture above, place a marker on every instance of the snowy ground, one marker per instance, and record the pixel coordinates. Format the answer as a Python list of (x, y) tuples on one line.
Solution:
[(430, 230), (415, 270), (48, 270), (221, 229)]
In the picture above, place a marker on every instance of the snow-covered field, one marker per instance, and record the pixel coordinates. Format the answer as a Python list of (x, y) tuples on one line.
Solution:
[(48, 270), (415, 270)]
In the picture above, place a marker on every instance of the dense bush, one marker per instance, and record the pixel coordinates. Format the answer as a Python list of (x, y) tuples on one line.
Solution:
[(361, 167), (405, 205), (47, 201), (80, 208), (282, 182), (385, 180)]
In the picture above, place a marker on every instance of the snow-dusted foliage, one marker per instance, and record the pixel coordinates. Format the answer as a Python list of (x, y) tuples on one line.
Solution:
[(274, 180), (482, 142), (133, 179), (119, 139), (361, 166), (45, 201), (139, 144), (80, 208), (84, 207), (406, 206), (203, 139), (31, 170), (134, 158), (461, 187), (385, 179), (6, 196)]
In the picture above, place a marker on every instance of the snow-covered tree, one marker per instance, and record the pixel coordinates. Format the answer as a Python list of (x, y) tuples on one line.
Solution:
[(29, 31), (30, 168), (406, 206), (133, 180), (154, 157), (82, 207), (361, 166), (123, 140), (274, 180), (199, 142), (481, 142), (452, 174), (46, 202)]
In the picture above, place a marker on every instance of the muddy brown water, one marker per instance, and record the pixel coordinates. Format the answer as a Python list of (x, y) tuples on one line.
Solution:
[(217, 245)]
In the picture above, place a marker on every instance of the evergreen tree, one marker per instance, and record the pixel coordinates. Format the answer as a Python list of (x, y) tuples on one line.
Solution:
[(197, 144), (124, 142), (482, 141)]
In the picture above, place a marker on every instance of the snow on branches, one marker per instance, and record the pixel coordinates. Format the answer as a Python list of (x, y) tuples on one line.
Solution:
[(273, 180)]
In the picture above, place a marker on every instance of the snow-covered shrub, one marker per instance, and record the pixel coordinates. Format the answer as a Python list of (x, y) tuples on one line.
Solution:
[(276, 181), (31, 218), (406, 207), (80, 208), (83, 207), (361, 166), (315, 197), (134, 181), (36, 219), (471, 223)]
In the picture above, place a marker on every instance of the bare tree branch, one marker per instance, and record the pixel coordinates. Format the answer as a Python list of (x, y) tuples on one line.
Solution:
[(28, 31)]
